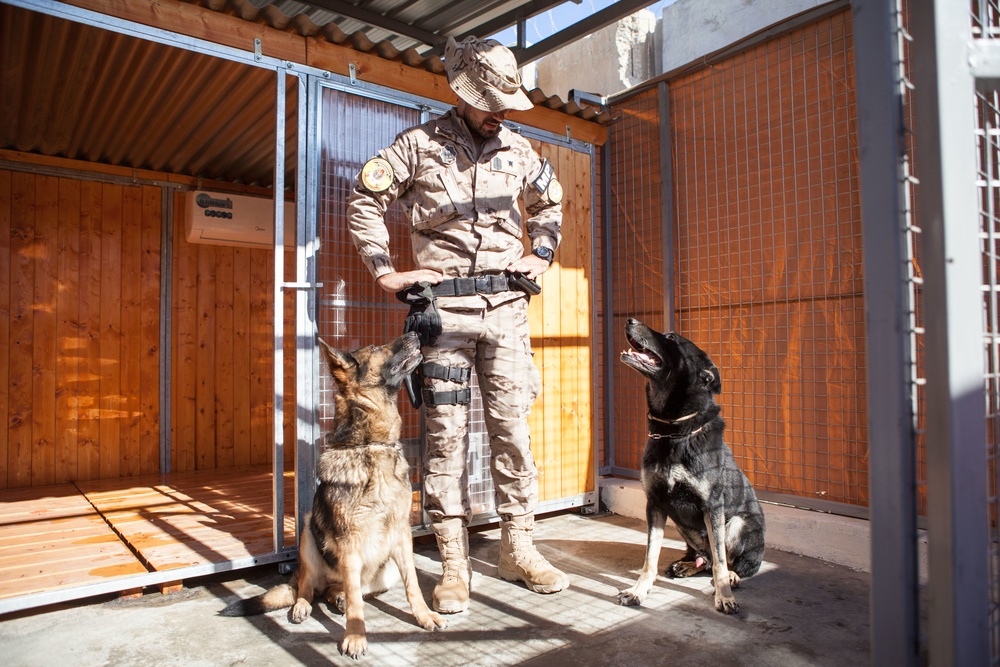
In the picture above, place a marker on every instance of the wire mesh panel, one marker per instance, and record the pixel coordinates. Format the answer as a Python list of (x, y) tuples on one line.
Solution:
[(988, 116), (636, 277), (768, 275), (353, 310), (986, 25)]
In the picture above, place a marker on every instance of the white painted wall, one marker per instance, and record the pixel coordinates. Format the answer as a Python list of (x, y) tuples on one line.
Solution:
[(694, 28)]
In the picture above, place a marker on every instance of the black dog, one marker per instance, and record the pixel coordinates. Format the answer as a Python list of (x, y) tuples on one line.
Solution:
[(688, 471)]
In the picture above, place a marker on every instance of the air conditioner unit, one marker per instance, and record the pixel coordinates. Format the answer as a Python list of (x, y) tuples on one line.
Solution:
[(234, 220)]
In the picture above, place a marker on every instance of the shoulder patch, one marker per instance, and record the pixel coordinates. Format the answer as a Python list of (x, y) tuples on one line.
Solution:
[(377, 175), (554, 192), (544, 177)]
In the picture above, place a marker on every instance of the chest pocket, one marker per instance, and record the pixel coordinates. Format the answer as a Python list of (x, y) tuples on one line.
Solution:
[(437, 193), (499, 198)]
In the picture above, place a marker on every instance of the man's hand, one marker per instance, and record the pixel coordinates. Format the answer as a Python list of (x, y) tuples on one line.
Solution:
[(394, 282), (530, 265)]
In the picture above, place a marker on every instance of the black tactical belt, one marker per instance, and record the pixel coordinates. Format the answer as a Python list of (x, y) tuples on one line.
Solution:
[(489, 284)]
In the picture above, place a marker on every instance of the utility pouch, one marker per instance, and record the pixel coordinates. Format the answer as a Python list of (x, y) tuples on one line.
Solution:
[(522, 282), (411, 382)]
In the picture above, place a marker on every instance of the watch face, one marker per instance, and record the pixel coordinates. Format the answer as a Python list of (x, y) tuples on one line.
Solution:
[(543, 252)]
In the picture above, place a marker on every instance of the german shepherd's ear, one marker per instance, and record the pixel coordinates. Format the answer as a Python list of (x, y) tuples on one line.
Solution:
[(336, 359), (710, 376)]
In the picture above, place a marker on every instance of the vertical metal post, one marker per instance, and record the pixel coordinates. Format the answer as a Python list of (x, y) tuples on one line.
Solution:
[(307, 192), (607, 295), (594, 299), (667, 209), (278, 316), (891, 432), (953, 264)]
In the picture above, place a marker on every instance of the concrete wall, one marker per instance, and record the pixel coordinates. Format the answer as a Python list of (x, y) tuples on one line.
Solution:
[(695, 28), (641, 46), (606, 62)]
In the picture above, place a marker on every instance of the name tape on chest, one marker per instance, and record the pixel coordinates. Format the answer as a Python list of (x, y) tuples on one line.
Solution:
[(377, 175)]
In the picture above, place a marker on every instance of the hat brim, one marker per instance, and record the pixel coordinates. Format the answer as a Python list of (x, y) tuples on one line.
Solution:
[(486, 97)]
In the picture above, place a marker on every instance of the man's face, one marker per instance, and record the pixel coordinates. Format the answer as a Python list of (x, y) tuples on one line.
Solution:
[(484, 123)]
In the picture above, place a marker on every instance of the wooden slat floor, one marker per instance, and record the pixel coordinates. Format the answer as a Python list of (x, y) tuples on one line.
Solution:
[(57, 537)]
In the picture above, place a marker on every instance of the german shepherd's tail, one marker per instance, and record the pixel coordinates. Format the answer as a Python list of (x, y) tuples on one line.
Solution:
[(281, 596)]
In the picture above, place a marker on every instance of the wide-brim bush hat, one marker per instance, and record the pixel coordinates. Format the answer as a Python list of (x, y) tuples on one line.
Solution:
[(484, 74)]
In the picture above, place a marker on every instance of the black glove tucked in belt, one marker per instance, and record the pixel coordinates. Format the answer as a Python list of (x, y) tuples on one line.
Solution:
[(423, 318)]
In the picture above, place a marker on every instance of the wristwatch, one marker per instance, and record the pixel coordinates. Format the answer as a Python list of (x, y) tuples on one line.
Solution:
[(545, 253)]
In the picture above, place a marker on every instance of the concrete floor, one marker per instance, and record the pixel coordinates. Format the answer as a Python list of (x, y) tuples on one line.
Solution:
[(796, 611)]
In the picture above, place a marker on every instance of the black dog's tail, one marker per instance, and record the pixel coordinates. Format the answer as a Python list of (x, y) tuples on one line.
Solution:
[(279, 597)]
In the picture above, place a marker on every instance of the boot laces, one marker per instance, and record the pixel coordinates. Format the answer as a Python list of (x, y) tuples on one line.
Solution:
[(452, 557), (523, 549)]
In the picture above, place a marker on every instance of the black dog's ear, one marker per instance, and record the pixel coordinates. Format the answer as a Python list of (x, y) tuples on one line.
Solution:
[(712, 379)]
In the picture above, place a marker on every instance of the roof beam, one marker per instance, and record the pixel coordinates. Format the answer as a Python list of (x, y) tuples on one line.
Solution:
[(504, 21), (377, 20), (591, 24)]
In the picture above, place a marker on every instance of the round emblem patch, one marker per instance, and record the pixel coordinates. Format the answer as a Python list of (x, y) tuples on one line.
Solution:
[(377, 175), (554, 192)]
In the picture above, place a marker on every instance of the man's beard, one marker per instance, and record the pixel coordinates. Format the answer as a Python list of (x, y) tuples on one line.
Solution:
[(476, 125)]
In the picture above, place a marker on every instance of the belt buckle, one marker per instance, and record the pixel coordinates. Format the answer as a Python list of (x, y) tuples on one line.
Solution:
[(482, 284)]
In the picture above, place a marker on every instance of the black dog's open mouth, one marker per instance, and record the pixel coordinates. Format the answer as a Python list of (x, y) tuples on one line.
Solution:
[(640, 357)]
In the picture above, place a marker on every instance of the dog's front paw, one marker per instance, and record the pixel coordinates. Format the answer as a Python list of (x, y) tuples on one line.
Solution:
[(727, 604), (300, 611), (631, 598), (734, 579), (431, 621), (354, 645), (683, 568)]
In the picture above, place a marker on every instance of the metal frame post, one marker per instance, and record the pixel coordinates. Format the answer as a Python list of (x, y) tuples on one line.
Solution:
[(667, 209), (891, 430), (278, 316), (958, 600)]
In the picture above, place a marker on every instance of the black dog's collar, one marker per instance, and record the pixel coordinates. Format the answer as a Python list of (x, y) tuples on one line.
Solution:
[(672, 436)]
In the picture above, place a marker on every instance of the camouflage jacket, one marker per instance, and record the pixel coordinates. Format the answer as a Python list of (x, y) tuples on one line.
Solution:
[(464, 210)]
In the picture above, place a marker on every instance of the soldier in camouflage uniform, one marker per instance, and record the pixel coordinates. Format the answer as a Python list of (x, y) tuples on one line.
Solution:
[(459, 178)]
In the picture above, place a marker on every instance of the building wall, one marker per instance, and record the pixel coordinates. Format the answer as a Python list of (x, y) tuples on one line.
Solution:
[(692, 29), (606, 62)]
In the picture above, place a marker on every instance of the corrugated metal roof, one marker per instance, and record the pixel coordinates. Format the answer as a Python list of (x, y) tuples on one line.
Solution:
[(85, 93)]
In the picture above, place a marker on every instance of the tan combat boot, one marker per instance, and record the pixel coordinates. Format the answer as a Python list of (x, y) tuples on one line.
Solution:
[(451, 595), (520, 561)]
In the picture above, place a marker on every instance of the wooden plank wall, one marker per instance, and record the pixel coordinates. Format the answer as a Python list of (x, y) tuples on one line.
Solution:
[(561, 420), (223, 373), (79, 329), (80, 338)]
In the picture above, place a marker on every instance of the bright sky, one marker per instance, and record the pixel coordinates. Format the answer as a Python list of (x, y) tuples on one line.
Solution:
[(562, 16)]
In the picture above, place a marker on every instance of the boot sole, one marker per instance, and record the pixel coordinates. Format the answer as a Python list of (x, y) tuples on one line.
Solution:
[(508, 575), (454, 608)]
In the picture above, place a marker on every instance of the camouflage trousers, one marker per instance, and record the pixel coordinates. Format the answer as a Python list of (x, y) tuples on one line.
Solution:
[(496, 344)]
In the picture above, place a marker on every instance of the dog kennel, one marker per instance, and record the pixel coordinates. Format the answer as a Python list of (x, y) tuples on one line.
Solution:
[(163, 398), (163, 395)]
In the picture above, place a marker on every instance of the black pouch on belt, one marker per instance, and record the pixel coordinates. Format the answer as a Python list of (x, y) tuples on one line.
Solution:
[(522, 282)]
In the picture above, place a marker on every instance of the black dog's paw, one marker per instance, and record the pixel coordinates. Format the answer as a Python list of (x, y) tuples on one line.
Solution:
[(686, 568)]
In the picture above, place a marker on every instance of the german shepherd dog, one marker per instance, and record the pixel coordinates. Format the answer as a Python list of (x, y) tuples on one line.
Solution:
[(361, 510), (688, 471)]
